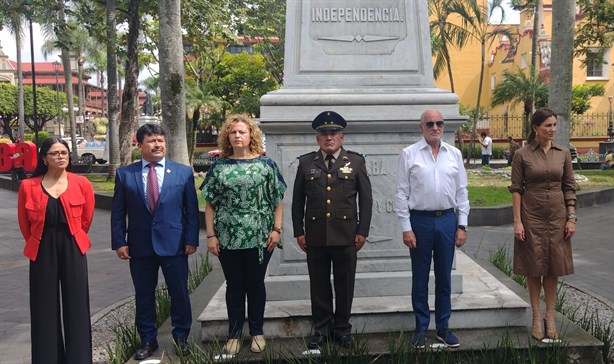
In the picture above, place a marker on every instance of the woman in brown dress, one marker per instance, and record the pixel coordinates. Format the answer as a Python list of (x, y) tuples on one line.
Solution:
[(543, 201)]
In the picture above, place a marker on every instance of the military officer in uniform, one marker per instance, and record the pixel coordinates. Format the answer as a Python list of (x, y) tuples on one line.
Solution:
[(331, 213)]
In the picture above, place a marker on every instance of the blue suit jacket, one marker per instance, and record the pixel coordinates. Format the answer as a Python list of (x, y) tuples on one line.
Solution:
[(175, 223)]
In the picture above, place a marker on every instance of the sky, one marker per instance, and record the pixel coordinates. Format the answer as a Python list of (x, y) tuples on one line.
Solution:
[(7, 41)]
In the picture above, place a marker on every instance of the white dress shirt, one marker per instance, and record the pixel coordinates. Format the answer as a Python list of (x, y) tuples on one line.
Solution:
[(429, 184)]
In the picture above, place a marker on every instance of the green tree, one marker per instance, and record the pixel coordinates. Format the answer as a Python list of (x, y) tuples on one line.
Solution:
[(518, 87), (476, 17), (14, 19), (582, 94), (595, 32), (265, 20), (239, 81), (46, 106), (444, 34)]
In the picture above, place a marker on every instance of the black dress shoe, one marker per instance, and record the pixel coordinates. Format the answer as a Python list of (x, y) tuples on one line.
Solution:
[(345, 341), (182, 347), (145, 350), (316, 341)]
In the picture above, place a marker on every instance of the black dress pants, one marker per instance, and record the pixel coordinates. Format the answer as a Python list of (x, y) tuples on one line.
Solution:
[(343, 260), (59, 298)]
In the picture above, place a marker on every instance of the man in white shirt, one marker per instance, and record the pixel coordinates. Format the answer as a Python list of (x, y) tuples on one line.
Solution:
[(432, 204), (486, 144)]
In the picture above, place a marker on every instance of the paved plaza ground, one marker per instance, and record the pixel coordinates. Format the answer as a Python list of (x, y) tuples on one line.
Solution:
[(110, 280)]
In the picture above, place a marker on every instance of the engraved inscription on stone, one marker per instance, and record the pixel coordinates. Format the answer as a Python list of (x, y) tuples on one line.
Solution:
[(351, 27)]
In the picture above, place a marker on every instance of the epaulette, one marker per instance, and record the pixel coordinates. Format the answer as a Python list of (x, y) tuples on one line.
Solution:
[(301, 156), (356, 153)]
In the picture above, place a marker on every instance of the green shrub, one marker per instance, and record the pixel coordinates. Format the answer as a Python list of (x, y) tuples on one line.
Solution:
[(136, 154)]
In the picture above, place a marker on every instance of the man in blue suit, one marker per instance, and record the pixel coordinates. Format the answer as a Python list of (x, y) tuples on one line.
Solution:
[(159, 198)]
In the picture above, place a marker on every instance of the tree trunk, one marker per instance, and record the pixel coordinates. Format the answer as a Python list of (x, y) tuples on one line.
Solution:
[(112, 127), (172, 74), (20, 104), (130, 96), (68, 80), (81, 93), (559, 98), (476, 112), (535, 68)]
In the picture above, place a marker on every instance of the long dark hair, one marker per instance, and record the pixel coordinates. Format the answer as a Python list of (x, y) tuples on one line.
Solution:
[(41, 167), (538, 117)]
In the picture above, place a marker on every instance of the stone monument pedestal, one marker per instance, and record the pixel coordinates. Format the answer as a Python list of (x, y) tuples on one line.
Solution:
[(369, 61), (484, 303)]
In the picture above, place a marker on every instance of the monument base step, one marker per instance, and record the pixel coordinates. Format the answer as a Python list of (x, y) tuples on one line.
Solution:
[(484, 303)]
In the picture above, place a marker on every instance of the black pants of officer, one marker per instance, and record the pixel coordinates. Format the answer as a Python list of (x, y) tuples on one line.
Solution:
[(343, 260)]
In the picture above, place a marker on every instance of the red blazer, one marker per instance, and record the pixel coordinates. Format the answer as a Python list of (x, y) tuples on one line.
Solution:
[(78, 203)]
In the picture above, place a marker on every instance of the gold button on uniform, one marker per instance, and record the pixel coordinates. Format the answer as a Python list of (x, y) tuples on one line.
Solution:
[(329, 175), (346, 177), (313, 218), (328, 188), (311, 178), (344, 217), (328, 214), (328, 201)]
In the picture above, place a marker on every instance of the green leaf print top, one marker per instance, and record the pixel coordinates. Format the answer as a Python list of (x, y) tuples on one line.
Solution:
[(244, 194)]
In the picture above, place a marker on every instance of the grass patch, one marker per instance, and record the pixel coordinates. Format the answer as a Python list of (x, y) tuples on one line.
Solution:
[(587, 320), (100, 184), (126, 337)]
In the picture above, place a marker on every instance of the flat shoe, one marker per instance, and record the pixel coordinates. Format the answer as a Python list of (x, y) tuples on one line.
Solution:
[(232, 347), (258, 344)]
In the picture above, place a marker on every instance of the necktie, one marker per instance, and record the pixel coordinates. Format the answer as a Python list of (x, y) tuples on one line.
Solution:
[(329, 158), (153, 192)]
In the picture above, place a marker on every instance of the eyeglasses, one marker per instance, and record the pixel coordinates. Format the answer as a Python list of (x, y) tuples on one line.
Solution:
[(431, 124), (58, 153)]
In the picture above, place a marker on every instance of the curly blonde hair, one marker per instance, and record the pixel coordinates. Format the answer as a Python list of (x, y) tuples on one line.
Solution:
[(255, 135)]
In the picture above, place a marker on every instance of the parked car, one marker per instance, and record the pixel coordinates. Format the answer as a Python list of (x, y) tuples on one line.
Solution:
[(95, 149)]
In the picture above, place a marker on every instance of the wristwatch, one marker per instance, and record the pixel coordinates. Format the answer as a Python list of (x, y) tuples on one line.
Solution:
[(463, 227), (277, 229)]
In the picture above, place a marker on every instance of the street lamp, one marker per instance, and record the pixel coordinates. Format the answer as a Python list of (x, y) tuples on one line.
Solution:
[(56, 68), (610, 121)]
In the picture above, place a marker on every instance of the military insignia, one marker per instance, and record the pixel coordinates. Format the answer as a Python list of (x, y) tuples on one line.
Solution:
[(313, 171), (345, 158), (346, 169)]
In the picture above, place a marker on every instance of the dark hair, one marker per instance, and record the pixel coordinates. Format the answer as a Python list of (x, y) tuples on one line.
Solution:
[(483, 134), (538, 117), (148, 129), (41, 167)]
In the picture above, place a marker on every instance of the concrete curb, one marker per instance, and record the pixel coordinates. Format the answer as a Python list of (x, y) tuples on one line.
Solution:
[(479, 216)]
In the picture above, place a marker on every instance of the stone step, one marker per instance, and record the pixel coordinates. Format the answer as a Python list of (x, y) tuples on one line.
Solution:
[(484, 303)]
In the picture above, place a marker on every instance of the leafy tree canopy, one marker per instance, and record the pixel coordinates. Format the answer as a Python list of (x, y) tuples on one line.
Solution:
[(595, 32), (582, 94)]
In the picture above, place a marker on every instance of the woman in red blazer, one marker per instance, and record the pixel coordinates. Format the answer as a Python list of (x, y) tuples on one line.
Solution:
[(55, 210)]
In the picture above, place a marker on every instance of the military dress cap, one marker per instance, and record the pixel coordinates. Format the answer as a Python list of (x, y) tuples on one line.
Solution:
[(328, 121)]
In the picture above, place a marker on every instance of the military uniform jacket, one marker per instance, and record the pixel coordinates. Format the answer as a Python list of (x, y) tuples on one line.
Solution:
[(324, 203)]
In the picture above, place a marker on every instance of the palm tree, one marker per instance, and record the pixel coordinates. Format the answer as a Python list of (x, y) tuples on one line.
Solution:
[(519, 87), (15, 26), (475, 15), (444, 35), (198, 102)]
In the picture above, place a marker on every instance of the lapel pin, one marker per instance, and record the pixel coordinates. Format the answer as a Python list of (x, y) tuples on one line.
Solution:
[(168, 171)]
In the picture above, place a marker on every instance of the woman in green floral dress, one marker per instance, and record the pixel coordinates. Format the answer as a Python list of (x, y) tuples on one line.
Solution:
[(244, 192)]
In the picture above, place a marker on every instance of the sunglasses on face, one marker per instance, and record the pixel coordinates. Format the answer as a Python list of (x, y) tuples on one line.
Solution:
[(431, 124), (58, 153)]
